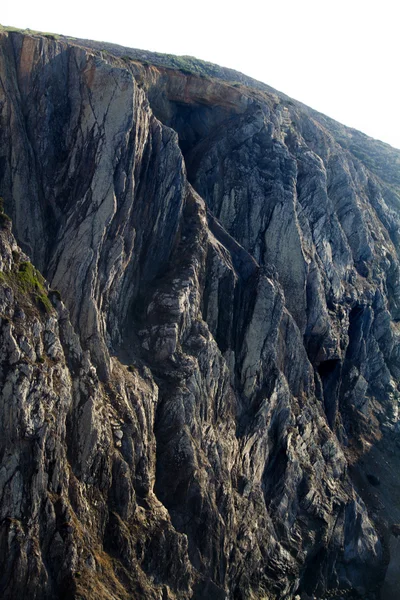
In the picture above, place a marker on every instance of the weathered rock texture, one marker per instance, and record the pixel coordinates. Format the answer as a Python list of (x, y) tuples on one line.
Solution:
[(207, 405)]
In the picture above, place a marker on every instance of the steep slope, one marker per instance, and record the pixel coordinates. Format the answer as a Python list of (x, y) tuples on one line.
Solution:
[(205, 415)]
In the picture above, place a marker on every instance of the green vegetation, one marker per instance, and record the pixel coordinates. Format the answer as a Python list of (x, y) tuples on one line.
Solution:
[(10, 29), (52, 36), (26, 281), (189, 65), (31, 282), (186, 64), (28, 284), (29, 279)]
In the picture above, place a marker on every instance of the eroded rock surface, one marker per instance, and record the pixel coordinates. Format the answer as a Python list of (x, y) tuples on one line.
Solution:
[(200, 401)]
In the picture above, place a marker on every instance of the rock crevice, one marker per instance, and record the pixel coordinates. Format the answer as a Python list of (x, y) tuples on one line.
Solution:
[(188, 405)]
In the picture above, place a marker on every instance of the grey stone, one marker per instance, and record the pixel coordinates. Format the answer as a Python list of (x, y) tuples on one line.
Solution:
[(195, 415)]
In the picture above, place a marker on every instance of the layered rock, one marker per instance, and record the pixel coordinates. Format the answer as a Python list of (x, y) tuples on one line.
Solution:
[(195, 421)]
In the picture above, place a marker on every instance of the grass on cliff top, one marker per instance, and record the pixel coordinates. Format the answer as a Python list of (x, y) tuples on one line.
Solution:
[(186, 64), (8, 28), (189, 65)]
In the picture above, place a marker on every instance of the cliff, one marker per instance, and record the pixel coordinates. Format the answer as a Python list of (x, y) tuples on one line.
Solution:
[(200, 398)]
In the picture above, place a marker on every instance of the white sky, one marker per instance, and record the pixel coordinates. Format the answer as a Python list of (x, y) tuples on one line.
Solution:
[(339, 57)]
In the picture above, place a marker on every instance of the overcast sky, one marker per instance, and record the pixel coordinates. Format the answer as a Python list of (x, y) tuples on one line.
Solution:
[(339, 57)]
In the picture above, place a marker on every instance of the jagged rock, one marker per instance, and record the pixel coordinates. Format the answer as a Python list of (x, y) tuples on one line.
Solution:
[(188, 406)]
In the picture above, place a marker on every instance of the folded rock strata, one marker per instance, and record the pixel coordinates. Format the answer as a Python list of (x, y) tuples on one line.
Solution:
[(197, 397)]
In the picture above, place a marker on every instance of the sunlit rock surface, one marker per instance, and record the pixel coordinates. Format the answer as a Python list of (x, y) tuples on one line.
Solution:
[(201, 399)]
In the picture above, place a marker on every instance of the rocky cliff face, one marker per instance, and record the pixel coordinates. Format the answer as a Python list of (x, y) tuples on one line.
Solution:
[(200, 400)]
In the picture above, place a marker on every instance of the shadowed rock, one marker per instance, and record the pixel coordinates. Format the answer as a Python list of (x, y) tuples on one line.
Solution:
[(190, 414)]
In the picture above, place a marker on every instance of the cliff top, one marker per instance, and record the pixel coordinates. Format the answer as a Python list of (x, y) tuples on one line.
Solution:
[(381, 158)]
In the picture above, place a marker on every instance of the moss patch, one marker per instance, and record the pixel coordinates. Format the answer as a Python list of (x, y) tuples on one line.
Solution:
[(9, 29), (29, 286), (31, 282)]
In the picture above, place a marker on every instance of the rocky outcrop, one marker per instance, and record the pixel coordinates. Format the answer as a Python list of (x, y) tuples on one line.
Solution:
[(189, 404)]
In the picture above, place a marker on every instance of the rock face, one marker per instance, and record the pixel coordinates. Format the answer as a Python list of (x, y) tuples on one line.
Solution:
[(202, 402)]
